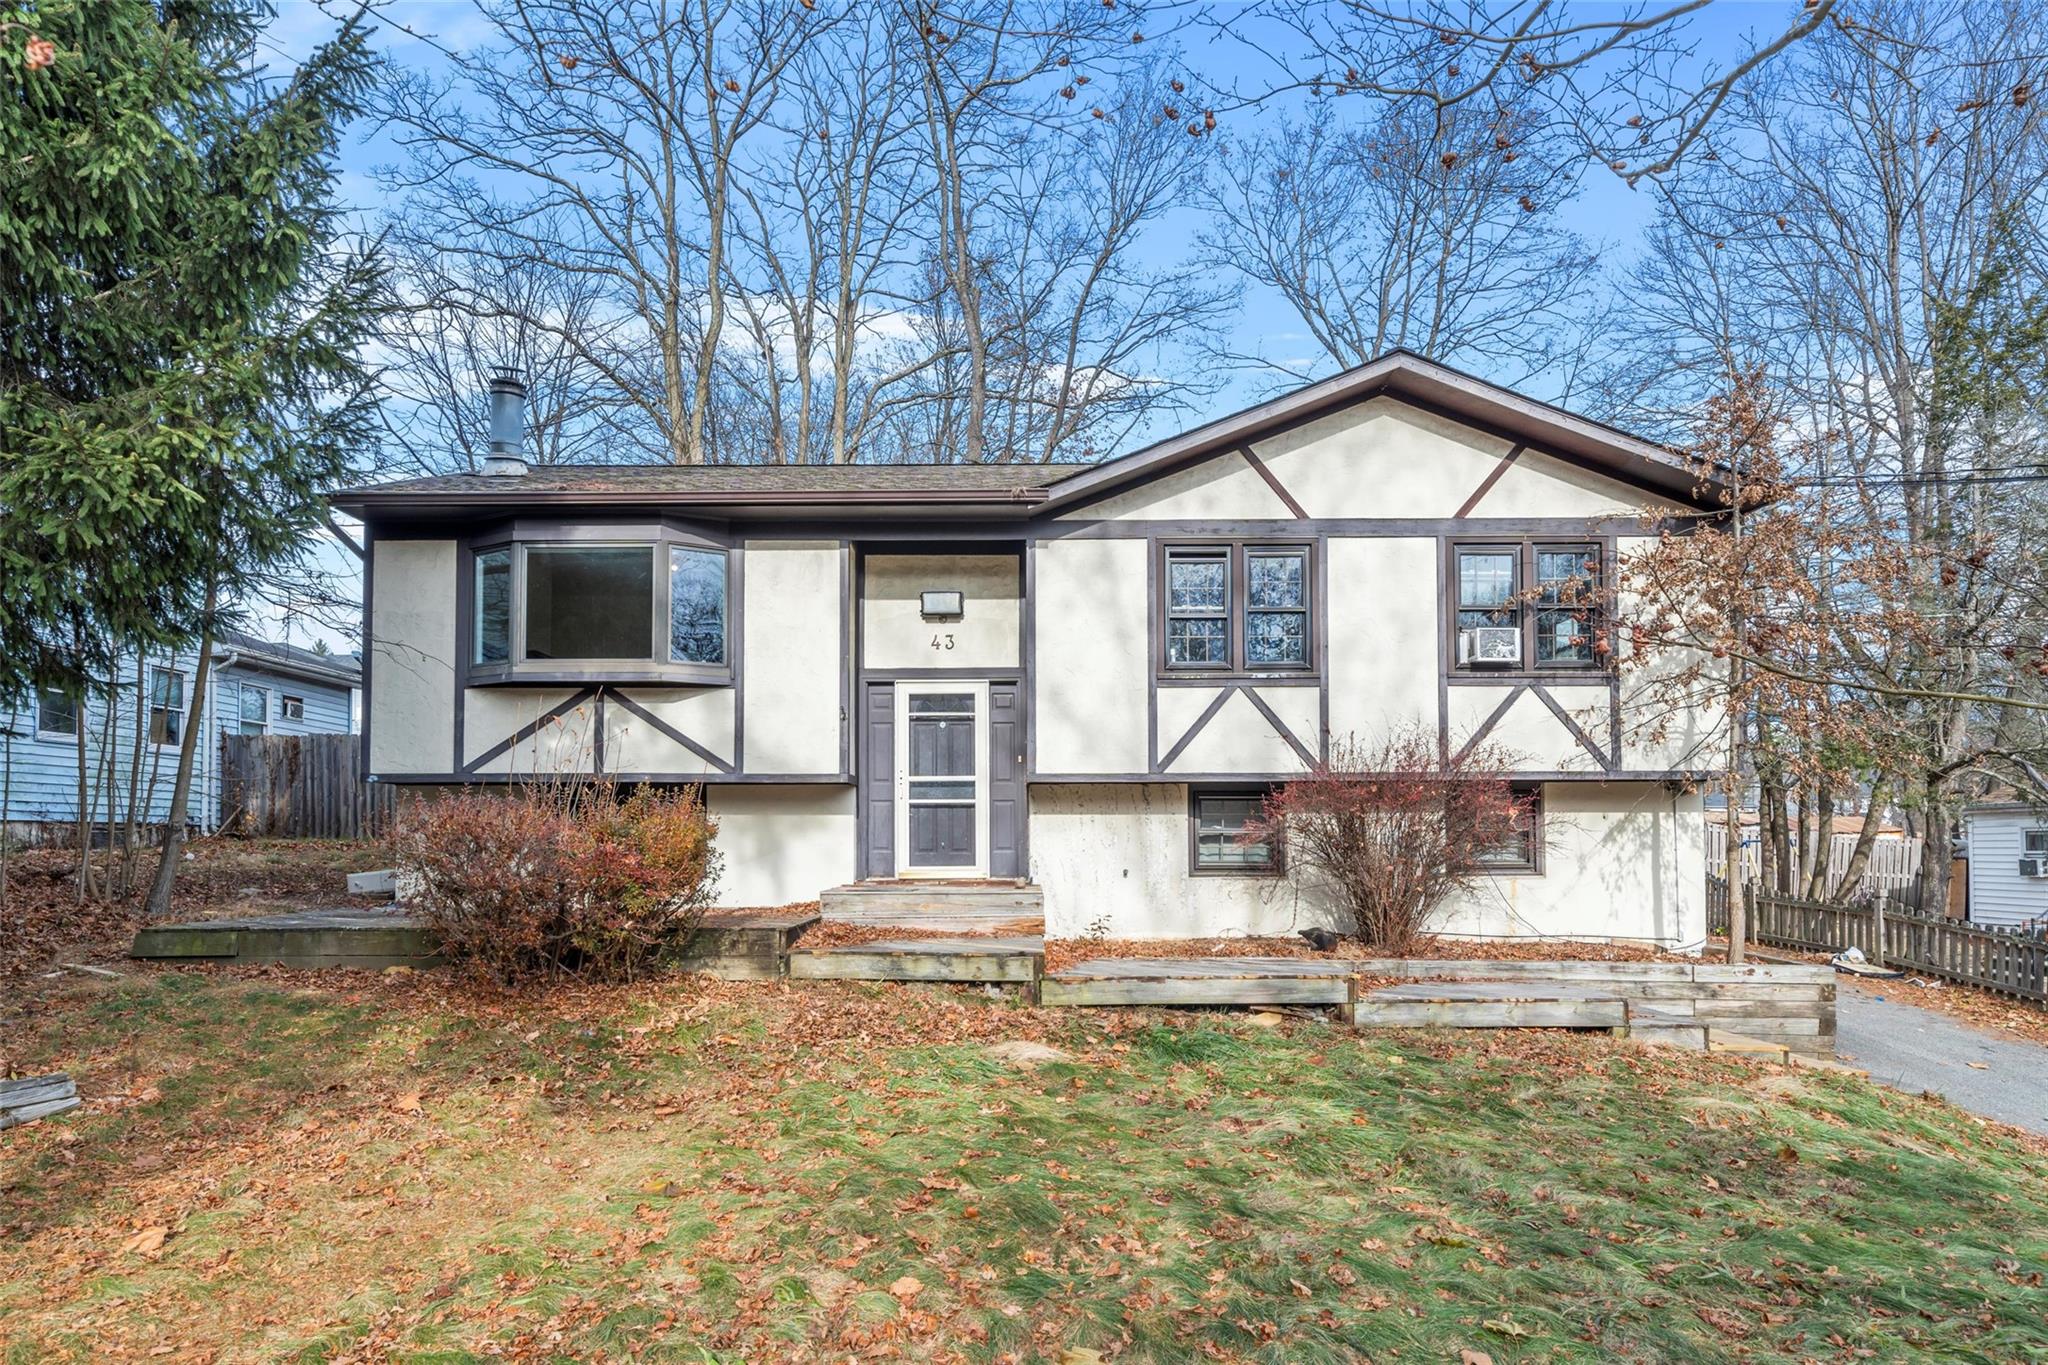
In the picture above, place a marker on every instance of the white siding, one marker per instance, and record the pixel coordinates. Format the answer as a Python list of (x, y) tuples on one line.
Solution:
[(412, 656), (794, 675), (1999, 895), (1093, 671)]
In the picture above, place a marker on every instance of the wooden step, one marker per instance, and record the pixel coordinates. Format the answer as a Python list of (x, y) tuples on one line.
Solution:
[(1666, 1030), (1170, 981), (1490, 1004), (1014, 961), (744, 945), (952, 907)]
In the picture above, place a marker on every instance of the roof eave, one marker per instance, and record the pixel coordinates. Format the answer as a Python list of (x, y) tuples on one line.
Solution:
[(1431, 386), (364, 502)]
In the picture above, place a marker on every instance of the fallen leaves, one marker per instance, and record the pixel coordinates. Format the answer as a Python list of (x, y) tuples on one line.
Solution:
[(148, 1243), (907, 1288)]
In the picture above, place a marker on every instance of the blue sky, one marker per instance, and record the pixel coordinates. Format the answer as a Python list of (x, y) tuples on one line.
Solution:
[(1606, 211)]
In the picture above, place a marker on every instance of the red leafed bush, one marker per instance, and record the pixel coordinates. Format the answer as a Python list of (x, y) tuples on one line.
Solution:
[(1391, 829), (550, 879)]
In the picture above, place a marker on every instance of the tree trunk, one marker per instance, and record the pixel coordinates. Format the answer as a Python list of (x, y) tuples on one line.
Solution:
[(159, 903), (83, 831), (1823, 841), (1866, 840)]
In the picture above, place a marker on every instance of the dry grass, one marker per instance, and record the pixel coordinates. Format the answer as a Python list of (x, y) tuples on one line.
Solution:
[(350, 1167)]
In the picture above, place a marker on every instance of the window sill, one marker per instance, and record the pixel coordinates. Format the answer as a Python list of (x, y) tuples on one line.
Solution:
[(1263, 874), (646, 675), (1230, 675)]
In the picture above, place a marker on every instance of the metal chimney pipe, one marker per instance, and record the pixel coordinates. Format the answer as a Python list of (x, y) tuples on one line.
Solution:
[(506, 457)]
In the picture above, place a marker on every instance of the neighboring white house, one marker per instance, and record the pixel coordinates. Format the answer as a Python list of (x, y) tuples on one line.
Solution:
[(1076, 677), (2008, 846)]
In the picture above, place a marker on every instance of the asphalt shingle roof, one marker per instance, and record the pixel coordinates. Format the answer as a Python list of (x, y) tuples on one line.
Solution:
[(683, 480)]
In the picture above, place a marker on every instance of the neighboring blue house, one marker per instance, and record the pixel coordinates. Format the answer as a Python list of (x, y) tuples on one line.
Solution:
[(254, 687)]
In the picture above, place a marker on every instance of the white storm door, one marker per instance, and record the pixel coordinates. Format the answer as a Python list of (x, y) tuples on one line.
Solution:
[(941, 779)]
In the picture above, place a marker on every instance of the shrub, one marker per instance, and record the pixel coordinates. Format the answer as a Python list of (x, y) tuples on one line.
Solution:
[(1392, 829), (547, 879)]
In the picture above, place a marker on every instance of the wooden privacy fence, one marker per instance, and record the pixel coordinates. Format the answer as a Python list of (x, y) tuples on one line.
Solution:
[(301, 787), (1894, 866), (2006, 961)]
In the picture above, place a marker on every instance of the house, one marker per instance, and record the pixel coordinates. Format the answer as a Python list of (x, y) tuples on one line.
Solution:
[(253, 687), (2008, 867), (1076, 677)]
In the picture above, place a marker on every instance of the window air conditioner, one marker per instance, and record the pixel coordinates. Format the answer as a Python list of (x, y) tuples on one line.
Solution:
[(2034, 867), (1490, 646)]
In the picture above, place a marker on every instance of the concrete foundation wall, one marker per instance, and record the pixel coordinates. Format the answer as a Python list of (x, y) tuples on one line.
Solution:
[(782, 844), (1624, 861)]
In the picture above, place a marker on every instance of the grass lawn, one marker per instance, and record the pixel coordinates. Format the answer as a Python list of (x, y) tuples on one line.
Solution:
[(351, 1167)]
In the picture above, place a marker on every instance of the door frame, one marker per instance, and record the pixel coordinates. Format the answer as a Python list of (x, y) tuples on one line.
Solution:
[(905, 689)]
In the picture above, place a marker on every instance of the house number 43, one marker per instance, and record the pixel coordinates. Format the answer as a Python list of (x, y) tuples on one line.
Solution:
[(942, 641)]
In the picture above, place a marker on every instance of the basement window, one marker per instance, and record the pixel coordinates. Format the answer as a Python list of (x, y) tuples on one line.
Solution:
[(1218, 823), (1522, 852)]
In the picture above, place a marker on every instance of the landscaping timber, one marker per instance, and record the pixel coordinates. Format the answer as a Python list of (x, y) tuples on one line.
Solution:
[(1201, 981), (36, 1097), (745, 945), (370, 939), (1489, 1004), (1005, 961)]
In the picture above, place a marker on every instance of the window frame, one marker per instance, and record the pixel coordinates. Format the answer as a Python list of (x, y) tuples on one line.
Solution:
[(77, 706), (242, 690), (1526, 606), (519, 539), (1531, 863), (1237, 608), (175, 708), (1276, 864), (2026, 834)]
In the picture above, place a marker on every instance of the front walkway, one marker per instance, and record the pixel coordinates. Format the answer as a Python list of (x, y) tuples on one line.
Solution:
[(1919, 1049)]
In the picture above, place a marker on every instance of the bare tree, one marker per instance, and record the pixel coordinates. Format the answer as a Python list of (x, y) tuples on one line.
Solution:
[(621, 122), (1424, 227)]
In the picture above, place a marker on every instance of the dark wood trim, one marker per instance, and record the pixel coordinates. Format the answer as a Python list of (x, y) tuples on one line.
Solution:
[(1028, 610), (1322, 595), (1272, 481), (662, 727), (736, 779), (1180, 680), (1236, 608), (1208, 714), (531, 728), (1407, 528), (1155, 646), (1492, 477), (597, 734), (1565, 718), (1478, 736), (1664, 775), (1277, 867), (851, 584), (1251, 695), (941, 674), (736, 640), (1524, 548), (369, 645)]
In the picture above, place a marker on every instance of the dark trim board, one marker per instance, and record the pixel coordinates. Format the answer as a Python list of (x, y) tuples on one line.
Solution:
[(1599, 778), (675, 779), (1367, 528)]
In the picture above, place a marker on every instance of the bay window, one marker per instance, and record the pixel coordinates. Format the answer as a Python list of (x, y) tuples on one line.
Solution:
[(563, 609), (1236, 608)]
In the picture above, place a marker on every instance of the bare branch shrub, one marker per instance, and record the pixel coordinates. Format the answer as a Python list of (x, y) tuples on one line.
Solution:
[(555, 878), (1393, 828)]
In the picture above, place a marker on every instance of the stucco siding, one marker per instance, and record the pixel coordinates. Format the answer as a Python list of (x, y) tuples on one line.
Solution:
[(558, 748), (1224, 486), (895, 634), (1384, 636), (703, 715), (1114, 858), (1238, 738), (794, 672), (1381, 459), (782, 844), (1539, 485), (1999, 895), (412, 657), (1529, 733), (1668, 720), (1624, 861), (1093, 669)]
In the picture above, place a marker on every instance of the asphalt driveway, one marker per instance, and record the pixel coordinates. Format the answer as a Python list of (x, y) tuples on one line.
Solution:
[(1917, 1049)]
